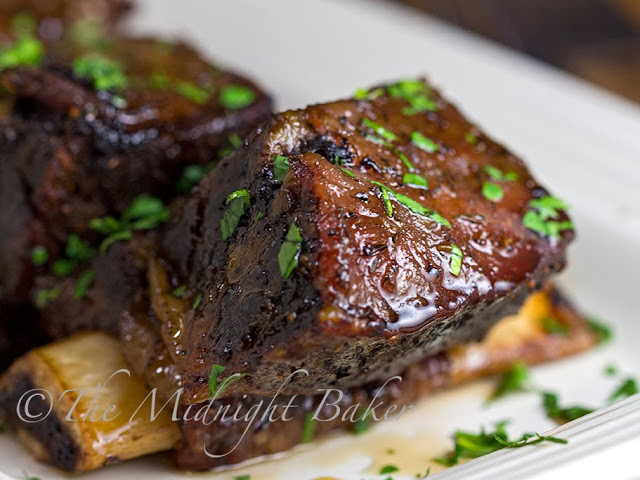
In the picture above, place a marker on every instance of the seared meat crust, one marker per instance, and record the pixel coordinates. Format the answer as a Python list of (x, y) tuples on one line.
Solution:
[(74, 151), (375, 286)]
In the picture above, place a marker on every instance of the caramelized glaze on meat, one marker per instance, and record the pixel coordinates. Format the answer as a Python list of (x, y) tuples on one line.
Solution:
[(376, 285)]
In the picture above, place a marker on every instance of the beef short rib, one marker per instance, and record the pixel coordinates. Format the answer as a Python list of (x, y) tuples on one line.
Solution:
[(354, 238)]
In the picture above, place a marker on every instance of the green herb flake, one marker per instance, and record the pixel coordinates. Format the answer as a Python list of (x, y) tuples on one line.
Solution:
[(197, 301), (455, 262), (548, 206), (159, 80), (39, 256), (361, 426), (415, 180), (215, 387), (105, 73), (178, 292), (364, 94), (469, 445), (610, 370), (46, 296), (388, 469), (280, 168), (602, 332), (26, 50), (514, 380), (470, 138), (347, 172), (380, 130), (628, 388), (242, 477), (193, 92), (416, 93), (290, 251), (234, 97), (119, 236), (238, 202), (492, 192), (26, 476), (554, 326), (498, 175), (105, 225), (423, 142), (561, 415), (145, 212), (83, 283), (308, 428), (63, 267), (192, 175)]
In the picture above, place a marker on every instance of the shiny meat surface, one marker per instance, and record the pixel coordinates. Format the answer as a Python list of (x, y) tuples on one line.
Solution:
[(392, 229)]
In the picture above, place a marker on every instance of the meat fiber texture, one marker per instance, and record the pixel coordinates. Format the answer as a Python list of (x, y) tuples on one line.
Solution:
[(94, 126), (352, 239)]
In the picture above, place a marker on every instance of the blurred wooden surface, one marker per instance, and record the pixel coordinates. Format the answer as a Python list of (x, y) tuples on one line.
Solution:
[(598, 40)]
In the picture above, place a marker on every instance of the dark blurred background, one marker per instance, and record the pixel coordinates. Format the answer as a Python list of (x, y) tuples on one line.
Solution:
[(598, 40)]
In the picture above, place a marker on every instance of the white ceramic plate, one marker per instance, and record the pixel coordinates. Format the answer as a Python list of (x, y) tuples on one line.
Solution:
[(583, 143)]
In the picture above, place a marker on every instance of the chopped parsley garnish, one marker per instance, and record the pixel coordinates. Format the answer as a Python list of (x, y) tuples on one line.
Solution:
[(178, 292), (44, 297), (308, 428), (541, 211), (105, 73), (290, 251), (144, 213), (416, 93), (192, 175), (216, 388), (492, 191), (514, 380), (388, 469), (347, 172), (497, 174), (26, 476), (234, 97), (363, 424), (610, 370), (386, 200), (77, 252), (196, 302), (26, 50), (380, 130), (234, 142), (280, 168), (410, 203), (39, 255), (455, 262), (159, 80), (468, 445), (238, 202), (628, 388), (415, 180), (470, 138), (602, 332), (83, 283), (559, 414), (423, 143), (193, 92), (554, 326), (242, 477), (364, 94)]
